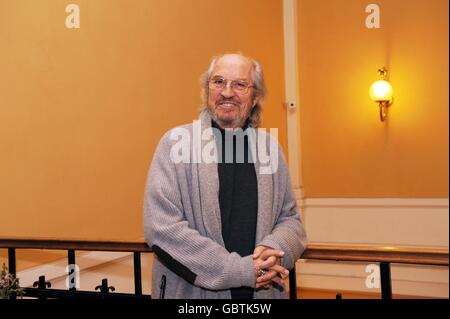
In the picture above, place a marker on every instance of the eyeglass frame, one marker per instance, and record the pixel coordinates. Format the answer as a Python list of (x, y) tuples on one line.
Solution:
[(232, 85)]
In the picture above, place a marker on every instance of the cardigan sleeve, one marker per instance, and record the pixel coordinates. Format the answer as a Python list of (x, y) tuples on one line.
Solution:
[(196, 258), (288, 233)]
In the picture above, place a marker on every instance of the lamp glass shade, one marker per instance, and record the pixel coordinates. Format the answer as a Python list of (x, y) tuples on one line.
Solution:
[(381, 91)]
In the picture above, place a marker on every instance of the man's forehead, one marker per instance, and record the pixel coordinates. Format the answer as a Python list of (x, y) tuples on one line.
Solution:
[(234, 65)]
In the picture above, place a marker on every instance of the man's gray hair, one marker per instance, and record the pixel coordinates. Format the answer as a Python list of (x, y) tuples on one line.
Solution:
[(258, 83)]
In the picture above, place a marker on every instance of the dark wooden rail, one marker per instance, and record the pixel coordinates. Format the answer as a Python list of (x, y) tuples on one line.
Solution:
[(404, 255), (383, 255), (59, 244)]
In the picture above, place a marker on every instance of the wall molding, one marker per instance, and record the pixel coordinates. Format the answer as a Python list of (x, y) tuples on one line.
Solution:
[(377, 202), (408, 222)]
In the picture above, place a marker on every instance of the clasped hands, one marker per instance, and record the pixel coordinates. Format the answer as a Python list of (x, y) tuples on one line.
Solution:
[(267, 265)]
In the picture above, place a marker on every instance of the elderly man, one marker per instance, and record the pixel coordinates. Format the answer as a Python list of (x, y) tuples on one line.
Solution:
[(226, 227)]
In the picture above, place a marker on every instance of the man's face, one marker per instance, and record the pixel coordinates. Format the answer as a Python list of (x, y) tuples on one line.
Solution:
[(228, 107)]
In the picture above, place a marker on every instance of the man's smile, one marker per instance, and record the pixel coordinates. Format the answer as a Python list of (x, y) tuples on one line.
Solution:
[(228, 104)]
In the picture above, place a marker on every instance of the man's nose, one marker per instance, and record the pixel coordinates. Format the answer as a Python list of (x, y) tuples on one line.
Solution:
[(227, 91)]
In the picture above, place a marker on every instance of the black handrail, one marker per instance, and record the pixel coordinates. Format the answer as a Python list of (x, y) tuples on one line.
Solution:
[(42, 291)]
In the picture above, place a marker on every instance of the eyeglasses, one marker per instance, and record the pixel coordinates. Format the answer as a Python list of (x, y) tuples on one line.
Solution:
[(237, 86)]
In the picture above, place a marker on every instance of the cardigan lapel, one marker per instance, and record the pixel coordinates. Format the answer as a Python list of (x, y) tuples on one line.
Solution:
[(265, 186), (209, 183)]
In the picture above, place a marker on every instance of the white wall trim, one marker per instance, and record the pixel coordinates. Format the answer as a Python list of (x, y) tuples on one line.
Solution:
[(377, 221), (407, 222), (376, 202), (292, 91)]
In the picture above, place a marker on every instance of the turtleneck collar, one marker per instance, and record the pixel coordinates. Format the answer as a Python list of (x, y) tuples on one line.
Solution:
[(215, 125)]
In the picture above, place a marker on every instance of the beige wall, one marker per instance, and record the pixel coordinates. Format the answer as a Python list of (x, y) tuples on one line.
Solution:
[(346, 150), (81, 111)]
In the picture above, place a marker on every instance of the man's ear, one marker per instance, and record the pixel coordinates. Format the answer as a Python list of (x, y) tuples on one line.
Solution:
[(256, 99)]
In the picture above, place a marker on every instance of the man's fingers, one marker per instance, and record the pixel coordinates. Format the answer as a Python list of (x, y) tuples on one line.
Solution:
[(280, 269), (269, 262), (258, 250), (266, 284), (268, 276), (271, 252)]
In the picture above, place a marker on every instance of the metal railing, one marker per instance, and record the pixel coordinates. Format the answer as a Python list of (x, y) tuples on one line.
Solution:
[(105, 292), (382, 255)]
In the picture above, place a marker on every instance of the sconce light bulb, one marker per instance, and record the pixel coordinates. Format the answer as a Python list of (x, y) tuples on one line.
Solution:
[(381, 91)]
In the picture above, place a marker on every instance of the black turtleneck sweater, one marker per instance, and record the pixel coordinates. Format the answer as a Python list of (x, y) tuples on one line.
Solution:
[(238, 198)]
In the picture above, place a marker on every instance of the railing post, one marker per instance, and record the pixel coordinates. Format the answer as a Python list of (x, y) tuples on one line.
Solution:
[(385, 274), (137, 273), (12, 261), (72, 273), (293, 283)]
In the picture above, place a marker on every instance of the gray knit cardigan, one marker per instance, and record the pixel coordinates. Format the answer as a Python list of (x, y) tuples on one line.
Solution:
[(182, 219)]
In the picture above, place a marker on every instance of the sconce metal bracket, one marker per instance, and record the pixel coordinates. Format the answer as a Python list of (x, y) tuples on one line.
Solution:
[(383, 108)]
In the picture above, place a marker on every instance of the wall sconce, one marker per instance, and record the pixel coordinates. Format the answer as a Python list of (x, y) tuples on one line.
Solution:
[(381, 92)]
